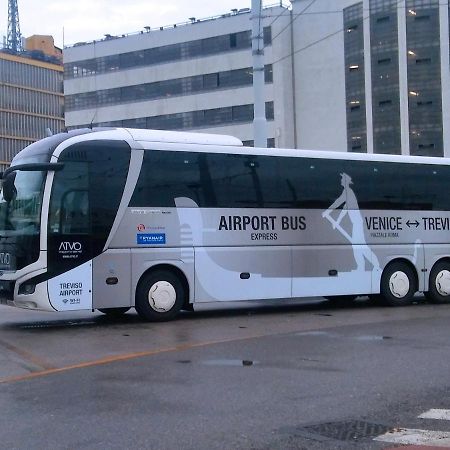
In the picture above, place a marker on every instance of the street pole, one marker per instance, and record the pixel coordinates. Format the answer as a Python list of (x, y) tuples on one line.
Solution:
[(259, 108)]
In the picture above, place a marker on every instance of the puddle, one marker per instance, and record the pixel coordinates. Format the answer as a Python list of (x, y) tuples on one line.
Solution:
[(364, 338), (372, 338), (229, 362), (316, 333)]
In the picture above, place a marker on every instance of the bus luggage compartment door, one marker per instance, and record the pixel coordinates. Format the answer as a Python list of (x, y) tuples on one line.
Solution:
[(321, 270), (242, 273)]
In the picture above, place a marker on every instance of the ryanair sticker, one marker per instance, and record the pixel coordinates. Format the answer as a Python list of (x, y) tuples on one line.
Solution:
[(151, 238)]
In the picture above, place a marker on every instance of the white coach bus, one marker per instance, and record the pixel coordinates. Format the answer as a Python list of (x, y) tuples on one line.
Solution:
[(111, 219)]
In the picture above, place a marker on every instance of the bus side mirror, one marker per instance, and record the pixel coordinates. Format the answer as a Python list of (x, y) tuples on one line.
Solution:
[(9, 190)]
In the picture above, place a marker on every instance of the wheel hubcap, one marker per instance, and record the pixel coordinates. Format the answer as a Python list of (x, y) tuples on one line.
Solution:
[(443, 282), (399, 284), (162, 296)]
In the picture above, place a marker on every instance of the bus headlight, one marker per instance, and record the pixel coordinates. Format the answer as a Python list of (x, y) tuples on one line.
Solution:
[(27, 288)]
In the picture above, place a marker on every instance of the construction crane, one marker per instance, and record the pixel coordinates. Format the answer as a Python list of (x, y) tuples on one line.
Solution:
[(14, 38)]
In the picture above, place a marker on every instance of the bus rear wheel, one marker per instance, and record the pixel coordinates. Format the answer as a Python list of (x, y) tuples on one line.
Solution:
[(439, 286), (160, 296), (398, 284)]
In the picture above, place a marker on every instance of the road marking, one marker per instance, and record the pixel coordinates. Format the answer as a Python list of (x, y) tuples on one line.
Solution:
[(121, 357), (416, 437), (439, 414), (26, 356), (415, 447)]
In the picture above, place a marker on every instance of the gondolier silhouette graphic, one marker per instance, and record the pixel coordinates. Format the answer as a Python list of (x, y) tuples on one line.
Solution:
[(349, 204)]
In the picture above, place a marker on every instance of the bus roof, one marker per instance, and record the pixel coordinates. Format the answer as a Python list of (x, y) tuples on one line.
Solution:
[(169, 137), (183, 138), (203, 142)]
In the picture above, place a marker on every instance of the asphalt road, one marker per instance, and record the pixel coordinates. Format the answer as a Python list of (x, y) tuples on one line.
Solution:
[(297, 377)]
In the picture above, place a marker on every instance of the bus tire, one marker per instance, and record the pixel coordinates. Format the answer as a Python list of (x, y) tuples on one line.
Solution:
[(439, 284), (114, 312), (398, 284), (160, 295)]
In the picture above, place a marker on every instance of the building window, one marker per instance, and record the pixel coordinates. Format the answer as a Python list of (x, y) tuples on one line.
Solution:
[(422, 18), (423, 61), (233, 40), (383, 19), (267, 36)]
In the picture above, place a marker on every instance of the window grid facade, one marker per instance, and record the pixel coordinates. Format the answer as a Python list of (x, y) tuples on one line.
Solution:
[(165, 88), (27, 126), (193, 119), (385, 76), (424, 86), (17, 98), (31, 100), (164, 54), (384, 39), (355, 79), (9, 148), (424, 77), (22, 74)]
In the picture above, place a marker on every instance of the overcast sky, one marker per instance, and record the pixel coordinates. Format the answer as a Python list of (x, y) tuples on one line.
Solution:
[(86, 20)]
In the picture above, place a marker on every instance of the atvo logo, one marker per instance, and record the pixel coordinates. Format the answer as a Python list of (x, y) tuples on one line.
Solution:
[(70, 246)]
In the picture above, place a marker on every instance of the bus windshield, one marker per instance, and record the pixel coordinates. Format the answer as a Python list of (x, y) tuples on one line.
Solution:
[(21, 213), (21, 197)]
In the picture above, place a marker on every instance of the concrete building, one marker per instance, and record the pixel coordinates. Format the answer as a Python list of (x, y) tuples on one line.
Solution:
[(363, 76), (31, 100), (197, 76), (373, 76)]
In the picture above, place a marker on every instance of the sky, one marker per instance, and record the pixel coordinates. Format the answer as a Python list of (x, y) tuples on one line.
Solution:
[(71, 21)]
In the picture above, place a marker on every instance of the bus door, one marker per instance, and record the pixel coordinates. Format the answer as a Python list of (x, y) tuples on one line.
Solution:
[(84, 203), (69, 246)]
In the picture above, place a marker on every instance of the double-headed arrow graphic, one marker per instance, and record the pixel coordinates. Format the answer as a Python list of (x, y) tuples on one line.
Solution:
[(415, 223)]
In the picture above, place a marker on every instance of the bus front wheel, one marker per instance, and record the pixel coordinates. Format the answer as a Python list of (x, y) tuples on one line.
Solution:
[(439, 286), (398, 284), (159, 296)]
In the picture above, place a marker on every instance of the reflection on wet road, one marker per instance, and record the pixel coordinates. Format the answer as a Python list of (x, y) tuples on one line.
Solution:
[(34, 344)]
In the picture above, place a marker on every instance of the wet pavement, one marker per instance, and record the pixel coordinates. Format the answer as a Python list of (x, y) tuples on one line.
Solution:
[(304, 376)]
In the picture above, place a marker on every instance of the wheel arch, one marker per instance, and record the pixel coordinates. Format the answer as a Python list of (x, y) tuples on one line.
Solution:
[(408, 263), (438, 292), (434, 258), (170, 268), (444, 259)]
